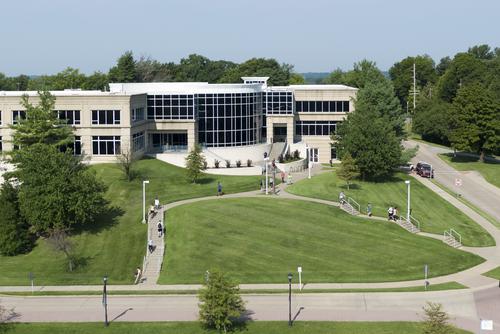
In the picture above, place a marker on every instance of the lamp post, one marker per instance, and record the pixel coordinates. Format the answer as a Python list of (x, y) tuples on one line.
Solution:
[(290, 299), (408, 204), (105, 300), (309, 163), (266, 161), (144, 200)]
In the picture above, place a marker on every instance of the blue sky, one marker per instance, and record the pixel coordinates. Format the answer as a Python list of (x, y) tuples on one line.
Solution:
[(46, 36)]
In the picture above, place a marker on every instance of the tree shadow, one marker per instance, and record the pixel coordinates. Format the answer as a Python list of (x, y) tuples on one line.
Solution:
[(122, 314), (464, 157), (352, 186), (206, 180), (107, 219)]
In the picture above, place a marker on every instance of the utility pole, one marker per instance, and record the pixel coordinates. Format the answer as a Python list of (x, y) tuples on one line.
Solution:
[(414, 87)]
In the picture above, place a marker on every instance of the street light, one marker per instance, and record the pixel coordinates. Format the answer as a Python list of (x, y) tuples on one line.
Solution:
[(408, 205), (309, 162), (144, 200), (105, 300), (290, 299), (266, 161)]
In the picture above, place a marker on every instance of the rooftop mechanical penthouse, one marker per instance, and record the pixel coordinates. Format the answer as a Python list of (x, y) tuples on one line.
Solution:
[(167, 118)]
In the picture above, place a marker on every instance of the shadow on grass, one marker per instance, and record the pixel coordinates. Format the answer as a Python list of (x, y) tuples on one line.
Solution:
[(464, 157), (107, 219), (206, 180)]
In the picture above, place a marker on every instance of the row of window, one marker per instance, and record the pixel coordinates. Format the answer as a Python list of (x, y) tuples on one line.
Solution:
[(106, 145), (72, 117), (315, 128), (322, 106), (106, 117), (138, 114), (277, 102), (171, 106)]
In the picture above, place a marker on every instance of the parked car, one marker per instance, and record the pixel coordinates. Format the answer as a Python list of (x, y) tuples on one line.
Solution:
[(425, 170)]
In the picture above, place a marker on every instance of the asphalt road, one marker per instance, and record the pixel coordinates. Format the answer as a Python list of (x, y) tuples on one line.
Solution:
[(474, 187)]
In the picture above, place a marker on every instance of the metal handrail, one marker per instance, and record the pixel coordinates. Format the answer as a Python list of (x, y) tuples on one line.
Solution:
[(457, 234), (415, 220), (350, 199)]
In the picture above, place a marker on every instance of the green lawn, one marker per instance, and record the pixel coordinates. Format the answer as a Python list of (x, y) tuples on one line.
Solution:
[(433, 212), (260, 240), (258, 327), (490, 169), (115, 245), (494, 273)]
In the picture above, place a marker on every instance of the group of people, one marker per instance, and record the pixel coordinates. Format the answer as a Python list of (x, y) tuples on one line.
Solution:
[(392, 213)]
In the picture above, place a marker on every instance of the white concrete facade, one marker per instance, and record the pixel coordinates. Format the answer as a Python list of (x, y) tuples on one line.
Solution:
[(226, 118)]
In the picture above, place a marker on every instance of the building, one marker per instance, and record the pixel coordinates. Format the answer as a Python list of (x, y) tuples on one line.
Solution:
[(172, 117)]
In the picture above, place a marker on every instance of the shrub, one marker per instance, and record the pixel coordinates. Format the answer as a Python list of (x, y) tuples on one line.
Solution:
[(249, 163), (281, 159), (238, 163), (228, 163), (216, 163), (296, 154), (288, 156)]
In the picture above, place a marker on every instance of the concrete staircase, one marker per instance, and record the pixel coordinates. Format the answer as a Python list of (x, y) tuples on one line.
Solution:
[(349, 209), (452, 238), (407, 225), (154, 261)]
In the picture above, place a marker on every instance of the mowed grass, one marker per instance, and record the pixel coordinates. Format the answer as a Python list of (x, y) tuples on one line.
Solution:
[(490, 169), (434, 213), (115, 244), (260, 240), (259, 327)]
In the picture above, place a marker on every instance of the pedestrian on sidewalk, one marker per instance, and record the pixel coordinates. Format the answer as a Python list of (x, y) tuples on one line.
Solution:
[(157, 203), (282, 177), (395, 213), (369, 210), (219, 189), (151, 246), (137, 275), (342, 198), (160, 229), (390, 213), (289, 178)]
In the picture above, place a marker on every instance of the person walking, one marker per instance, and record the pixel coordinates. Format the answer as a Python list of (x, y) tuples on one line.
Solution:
[(137, 275), (157, 203), (369, 210), (289, 178), (151, 246), (219, 189), (390, 213), (282, 177), (160, 229), (342, 198), (395, 213)]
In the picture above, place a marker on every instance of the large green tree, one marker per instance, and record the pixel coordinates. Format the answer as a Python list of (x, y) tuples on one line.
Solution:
[(431, 120), (363, 72), (220, 302), (475, 120), (195, 162), (57, 190), (125, 69), (41, 124), (401, 74), (279, 75), (15, 236)]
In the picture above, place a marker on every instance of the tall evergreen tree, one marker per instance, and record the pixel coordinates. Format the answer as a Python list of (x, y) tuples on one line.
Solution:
[(348, 169), (125, 69), (195, 162)]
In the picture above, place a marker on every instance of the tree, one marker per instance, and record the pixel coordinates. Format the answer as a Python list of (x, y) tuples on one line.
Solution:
[(195, 163), (15, 237), (475, 121), (59, 240), (348, 169), (69, 78), (57, 190), (443, 65), (363, 72), (436, 320), (96, 81), (401, 74), (125, 69), (41, 124), (279, 75), (126, 160), (296, 79), (150, 70), (481, 52), (221, 305), (431, 120), (336, 77)]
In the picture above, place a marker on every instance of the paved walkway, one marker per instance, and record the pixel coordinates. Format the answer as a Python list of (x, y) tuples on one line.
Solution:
[(474, 187), (154, 259)]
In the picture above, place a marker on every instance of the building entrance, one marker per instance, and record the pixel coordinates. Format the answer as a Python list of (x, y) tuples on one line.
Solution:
[(279, 133), (168, 142)]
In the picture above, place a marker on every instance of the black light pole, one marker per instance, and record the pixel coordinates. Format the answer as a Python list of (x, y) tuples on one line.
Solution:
[(290, 299), (105, 300)]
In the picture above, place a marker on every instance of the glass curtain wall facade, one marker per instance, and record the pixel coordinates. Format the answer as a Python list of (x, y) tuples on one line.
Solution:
[(171, 107), (229, 119)]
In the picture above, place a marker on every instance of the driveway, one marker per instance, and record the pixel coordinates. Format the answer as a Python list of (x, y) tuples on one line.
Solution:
[(474, 187)]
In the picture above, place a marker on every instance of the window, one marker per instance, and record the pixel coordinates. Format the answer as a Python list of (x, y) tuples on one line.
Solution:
[(171, 107), (277, 102), (106, 145), (137, 114), (18, 114), (72, 117), (138, 141), (76, 146), (105, 117), (322, 106), (315, 128)]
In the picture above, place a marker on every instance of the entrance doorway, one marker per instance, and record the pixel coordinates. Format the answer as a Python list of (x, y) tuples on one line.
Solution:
[(279, 133), (168, 142), (314, 155)]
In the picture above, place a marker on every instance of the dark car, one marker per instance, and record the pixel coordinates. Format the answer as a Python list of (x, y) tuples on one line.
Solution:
[(425, 170)]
